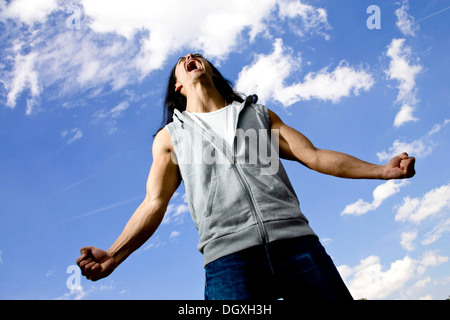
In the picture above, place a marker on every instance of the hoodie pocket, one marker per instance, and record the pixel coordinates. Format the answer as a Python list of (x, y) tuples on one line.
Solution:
[(227, 209), (210, 199), (273, 194)]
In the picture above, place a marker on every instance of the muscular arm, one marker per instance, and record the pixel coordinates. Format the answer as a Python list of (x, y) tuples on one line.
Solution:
[(163, 180), (295, 146)]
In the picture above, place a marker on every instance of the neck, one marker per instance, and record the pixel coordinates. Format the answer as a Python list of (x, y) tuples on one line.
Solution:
[(202, 98)]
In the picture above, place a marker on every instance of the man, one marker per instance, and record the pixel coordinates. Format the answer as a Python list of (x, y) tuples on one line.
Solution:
[(255, 240)]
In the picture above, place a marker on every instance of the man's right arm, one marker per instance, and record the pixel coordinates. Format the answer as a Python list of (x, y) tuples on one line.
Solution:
[(162, 182)]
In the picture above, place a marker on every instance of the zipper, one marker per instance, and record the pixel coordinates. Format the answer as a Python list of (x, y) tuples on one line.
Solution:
[(237, 169), (246, 185)]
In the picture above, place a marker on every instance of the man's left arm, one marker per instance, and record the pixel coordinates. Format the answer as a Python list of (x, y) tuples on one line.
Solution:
[(295, 146)]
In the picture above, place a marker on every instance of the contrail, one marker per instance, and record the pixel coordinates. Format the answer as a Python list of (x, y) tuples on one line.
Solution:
[(73, 185), (111, 206), (432, 15), (86, 214)]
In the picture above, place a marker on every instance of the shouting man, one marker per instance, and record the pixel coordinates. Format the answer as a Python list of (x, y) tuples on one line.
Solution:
[(255, 240)]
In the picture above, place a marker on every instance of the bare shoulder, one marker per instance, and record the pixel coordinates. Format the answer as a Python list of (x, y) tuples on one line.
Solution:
[(163, 141), (275, 120)]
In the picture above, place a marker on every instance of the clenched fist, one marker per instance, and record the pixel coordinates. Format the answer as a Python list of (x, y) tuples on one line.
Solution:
[(400, 167), (95, 263)]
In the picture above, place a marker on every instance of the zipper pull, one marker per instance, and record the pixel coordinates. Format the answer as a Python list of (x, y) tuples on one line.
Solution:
[(251, 99)]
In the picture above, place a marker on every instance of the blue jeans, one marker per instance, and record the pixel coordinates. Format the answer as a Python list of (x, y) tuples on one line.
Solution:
[(290, 269)]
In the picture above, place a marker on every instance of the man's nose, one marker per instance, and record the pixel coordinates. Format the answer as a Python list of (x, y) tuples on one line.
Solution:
[(189, 56)]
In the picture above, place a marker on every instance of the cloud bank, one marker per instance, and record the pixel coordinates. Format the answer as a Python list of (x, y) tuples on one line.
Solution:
[(404, 71), (381, 193), (115, 43), (267, 77), (417, 209), (371, 280)]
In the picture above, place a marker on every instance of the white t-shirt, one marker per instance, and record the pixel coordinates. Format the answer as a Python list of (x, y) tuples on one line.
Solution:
[(222, 122)]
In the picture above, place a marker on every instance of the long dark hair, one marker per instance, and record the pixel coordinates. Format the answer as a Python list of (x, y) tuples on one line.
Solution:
[(175, 100)]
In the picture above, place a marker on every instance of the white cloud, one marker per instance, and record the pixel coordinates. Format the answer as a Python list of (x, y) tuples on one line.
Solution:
[(405, 22), (326, 241), (156, 242), (74, 60), (50, 273), (25, 77), (201, 22), (72, 135), (68, 61), (381, 193), (423, 282), (267, 76), (370, 280), (175, 213), (121, 42), (404, 115), (197, 25), (311, 18), (75, 293), (407, 239), (118, 110), (28, 11), (404, 72), (400, 68), (78, 292), (417, 148), (174, 234), (438, 127), (416, 209), (437, 232), (431, 258), (110, 117), (333, 86), (88, 72)]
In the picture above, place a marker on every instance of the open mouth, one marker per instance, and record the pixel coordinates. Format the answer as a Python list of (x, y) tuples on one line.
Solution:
[(192, 65)]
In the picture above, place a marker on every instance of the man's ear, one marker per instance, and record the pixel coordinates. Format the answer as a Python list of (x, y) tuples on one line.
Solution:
[(178, 87)]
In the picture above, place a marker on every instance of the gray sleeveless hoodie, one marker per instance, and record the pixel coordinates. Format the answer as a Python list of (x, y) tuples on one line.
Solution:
[(237, 198)]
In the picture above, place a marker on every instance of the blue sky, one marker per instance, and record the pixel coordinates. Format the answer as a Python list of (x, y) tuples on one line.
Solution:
[(81, 87)]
